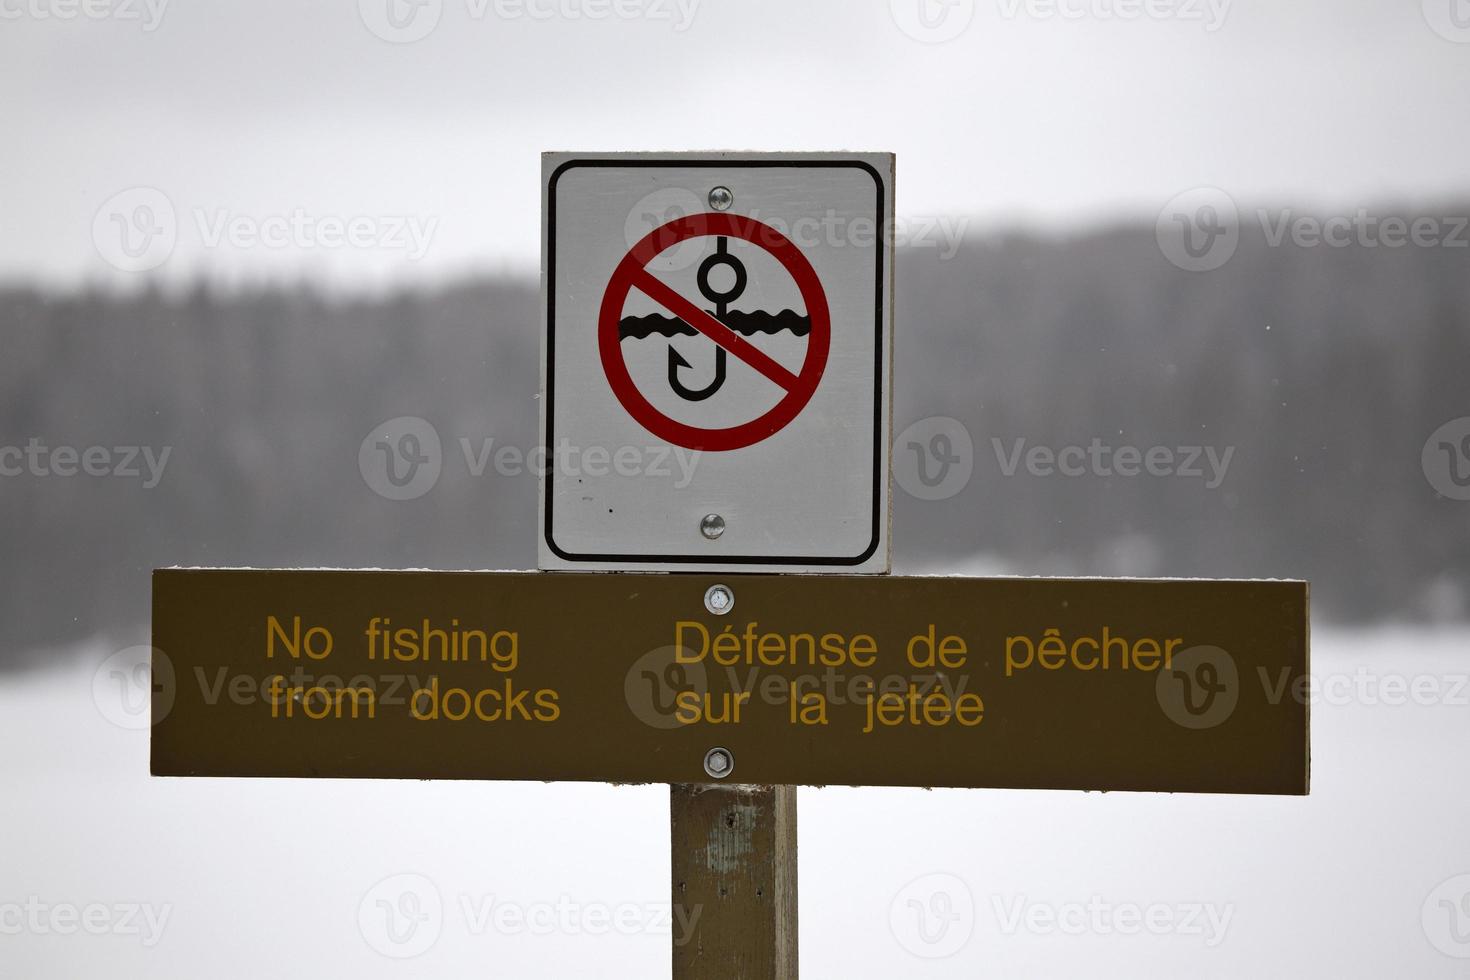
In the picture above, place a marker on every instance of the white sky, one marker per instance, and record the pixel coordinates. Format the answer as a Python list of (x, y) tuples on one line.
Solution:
[(257, 108)]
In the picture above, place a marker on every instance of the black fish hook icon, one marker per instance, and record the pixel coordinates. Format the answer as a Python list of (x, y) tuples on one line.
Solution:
[(722, 302), (676, 361)]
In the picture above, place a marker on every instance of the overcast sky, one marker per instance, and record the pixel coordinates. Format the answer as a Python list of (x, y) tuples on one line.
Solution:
[(1062, 113)]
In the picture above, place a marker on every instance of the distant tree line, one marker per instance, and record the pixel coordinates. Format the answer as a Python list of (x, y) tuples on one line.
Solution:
[(1322, 370)]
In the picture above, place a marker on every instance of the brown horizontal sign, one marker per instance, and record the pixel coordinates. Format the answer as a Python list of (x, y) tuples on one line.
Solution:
[(1188, 686)]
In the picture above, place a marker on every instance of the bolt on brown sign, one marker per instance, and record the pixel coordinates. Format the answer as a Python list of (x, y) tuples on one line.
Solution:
[(1186, 686)]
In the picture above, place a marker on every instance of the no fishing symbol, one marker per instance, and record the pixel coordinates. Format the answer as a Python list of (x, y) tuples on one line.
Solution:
[(726, 327)]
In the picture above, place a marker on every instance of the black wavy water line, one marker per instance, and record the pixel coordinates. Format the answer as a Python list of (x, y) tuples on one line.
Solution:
[(756, 321)]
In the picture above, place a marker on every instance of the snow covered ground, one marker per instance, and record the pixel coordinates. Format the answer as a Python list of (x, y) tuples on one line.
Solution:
[(105, 872)]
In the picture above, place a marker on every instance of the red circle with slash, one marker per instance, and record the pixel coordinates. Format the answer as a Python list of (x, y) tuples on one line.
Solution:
[(632, 273)]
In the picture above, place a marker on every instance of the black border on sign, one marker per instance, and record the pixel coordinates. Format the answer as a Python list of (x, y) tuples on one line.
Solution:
[(877, 366)]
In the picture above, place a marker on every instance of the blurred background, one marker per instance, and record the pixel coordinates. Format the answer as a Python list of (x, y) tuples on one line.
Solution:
[(235, 238)]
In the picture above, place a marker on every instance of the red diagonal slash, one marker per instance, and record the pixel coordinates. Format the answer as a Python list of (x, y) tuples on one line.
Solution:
[(665, 295)]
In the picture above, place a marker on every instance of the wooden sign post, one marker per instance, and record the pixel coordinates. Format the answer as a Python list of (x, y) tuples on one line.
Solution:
[(772, 649), (733, 855)]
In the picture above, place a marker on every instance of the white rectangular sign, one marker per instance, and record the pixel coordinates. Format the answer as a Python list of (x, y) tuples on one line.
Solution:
[(716, 361)]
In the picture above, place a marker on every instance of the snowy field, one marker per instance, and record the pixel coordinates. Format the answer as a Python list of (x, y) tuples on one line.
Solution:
[(105, 872)]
